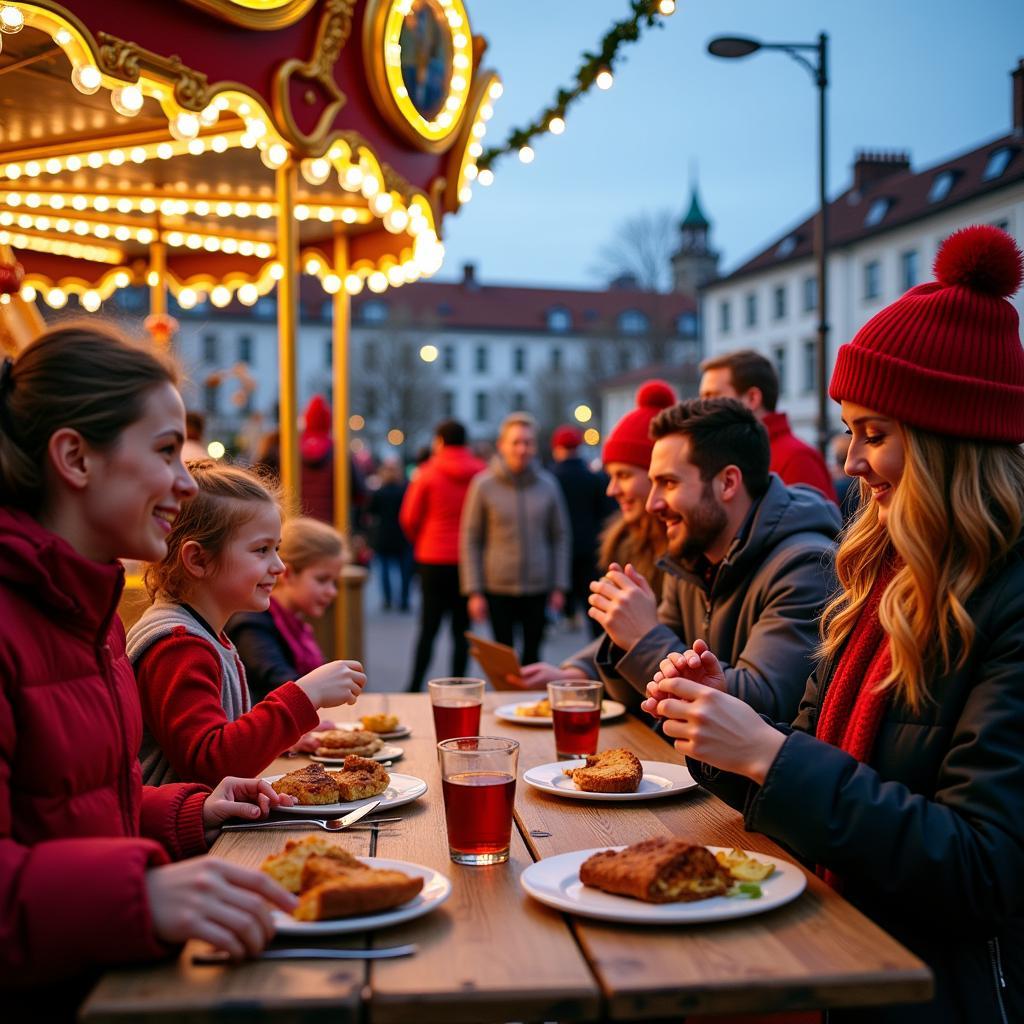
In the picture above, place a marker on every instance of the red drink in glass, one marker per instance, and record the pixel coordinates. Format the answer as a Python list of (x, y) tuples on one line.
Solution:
[(576, 729), (456, 718), (478, 809)]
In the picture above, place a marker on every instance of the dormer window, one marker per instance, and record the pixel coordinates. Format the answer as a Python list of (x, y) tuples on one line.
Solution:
[(786, 246), (877, 211), (632, 321), (559, 319), (998, 161), (942, 183), (374, 312)]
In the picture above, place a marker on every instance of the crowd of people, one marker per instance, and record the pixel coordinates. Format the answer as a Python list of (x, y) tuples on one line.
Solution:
[(856, 691)]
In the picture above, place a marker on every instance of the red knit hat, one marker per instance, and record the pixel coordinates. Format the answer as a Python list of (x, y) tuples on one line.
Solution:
[(946, 357), (566, 437), (630, 440)]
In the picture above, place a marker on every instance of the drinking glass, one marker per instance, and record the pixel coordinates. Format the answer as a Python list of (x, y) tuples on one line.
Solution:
[(576, 714), (456, 704), (478, 783)]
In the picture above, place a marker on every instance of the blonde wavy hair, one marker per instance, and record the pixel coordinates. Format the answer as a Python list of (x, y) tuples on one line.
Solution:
[(955, 514)]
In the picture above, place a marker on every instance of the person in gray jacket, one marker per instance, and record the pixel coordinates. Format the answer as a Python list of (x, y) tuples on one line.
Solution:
[(749, 564), (514, 540)]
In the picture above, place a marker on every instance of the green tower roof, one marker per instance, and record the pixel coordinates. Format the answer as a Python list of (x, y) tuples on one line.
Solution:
[(695, 215)]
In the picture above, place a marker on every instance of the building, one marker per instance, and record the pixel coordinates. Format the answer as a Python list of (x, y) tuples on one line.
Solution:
[(884, 231)]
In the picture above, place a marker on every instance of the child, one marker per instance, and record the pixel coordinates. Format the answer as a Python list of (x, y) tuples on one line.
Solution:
[(221, 559), (278, 644), (91, 430)]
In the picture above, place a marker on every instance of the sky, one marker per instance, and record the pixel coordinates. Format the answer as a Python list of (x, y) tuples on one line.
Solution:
[(927, 76)]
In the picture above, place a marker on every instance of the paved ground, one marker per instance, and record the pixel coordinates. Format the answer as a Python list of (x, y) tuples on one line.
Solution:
[(391, 639)]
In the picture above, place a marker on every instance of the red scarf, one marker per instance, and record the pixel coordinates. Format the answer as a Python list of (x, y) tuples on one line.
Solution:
[(298, 638)]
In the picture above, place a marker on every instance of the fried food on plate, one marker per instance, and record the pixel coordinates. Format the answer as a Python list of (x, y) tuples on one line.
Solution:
[(360, 778), (660, 870), (341, 742), (542, 709), (381, 722), (309, 785), (743, 867), (287, 867), (343, 891), (609, 771)]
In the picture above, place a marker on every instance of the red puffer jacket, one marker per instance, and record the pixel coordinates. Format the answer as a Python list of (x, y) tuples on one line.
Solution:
[(73, 812), (433, 502)]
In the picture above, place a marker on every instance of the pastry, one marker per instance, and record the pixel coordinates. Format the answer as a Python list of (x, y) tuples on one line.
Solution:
[(287, 867), (609, 771), (342, 742), (381, 722), (661, 870), (341, 891), (360, 778), (309, 785)]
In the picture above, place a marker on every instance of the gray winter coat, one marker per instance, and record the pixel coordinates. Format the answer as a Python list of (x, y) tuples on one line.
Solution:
[(514, 533), (761, 614)]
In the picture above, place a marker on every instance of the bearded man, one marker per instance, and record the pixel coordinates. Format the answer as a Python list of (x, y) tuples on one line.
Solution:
[(748, 567)]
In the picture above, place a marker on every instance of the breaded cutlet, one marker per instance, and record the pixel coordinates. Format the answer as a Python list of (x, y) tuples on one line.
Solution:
[(609, 771), (309, 785)]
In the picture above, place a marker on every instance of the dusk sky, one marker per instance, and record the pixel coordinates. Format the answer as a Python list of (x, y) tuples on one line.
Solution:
[(928, 76)]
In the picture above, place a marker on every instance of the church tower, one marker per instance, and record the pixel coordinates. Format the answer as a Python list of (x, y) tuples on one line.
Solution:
[(694, 263)]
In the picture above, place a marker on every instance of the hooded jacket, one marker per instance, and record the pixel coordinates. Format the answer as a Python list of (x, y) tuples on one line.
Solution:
[(760, 615), (514, 536), (432, 506), (77, 829), (316, 449)]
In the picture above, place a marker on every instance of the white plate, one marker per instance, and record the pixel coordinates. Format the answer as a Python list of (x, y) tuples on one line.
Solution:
[(436, 889), (507, 712), (386, 753), (396, 734), (660, 779), (403, 789), (556, 882)]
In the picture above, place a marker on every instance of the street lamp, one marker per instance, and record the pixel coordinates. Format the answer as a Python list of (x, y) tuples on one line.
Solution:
[(732, 47)]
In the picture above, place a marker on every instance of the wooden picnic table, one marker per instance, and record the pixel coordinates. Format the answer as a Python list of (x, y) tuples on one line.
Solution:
[(492, 953)]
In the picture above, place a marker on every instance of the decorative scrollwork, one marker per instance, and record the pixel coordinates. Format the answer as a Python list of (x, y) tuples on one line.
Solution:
[(127, 61)]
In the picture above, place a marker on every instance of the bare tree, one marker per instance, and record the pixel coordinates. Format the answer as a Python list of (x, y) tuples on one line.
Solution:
[(641, 248)]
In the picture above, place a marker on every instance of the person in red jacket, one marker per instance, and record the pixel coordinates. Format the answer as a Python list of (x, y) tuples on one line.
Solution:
[(751, 378), (91, 430), (221, 559), (430, 518)]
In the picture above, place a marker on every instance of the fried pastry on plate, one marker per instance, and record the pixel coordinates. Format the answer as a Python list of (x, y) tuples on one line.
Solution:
[(341, 891), (309, 785), (342, 742), (542, 709), (288, 866), (659, 870), (360, 778), (609, 771), (381, 722)]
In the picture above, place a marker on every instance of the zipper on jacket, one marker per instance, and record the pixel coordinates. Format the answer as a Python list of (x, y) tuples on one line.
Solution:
[(997, 975)]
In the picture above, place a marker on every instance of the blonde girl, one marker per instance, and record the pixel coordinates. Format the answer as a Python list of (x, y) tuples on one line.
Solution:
[(222, 558)]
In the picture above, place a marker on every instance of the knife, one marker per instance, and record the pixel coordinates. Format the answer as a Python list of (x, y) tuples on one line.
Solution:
[(337, 824), (219, 956)]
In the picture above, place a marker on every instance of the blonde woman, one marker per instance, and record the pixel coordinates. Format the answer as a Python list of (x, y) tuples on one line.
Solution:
[(902, 779)]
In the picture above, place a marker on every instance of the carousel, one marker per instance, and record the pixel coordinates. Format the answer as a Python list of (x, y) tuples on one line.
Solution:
[(217, 149)]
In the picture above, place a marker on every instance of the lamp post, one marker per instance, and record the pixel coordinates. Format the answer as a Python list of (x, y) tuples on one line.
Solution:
[(733, 47)]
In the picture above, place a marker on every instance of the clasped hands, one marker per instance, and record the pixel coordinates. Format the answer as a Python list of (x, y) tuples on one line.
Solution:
[(624, 605), (705, 721)]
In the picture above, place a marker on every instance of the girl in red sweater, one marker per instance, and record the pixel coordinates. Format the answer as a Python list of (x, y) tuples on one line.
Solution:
[(91, 429), (221, 559)]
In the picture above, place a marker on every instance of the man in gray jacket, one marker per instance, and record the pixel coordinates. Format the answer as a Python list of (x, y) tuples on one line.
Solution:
[(749, 565), (514, 540)]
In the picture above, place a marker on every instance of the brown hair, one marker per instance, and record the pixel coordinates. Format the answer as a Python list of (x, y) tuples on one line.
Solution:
[(748, 369), (513, 419), (640, 545), (222, 504), (80, 376), (722, 432), (305, 541)]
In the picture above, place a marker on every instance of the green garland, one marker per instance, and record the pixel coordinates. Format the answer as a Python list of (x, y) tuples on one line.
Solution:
[(645, 13)]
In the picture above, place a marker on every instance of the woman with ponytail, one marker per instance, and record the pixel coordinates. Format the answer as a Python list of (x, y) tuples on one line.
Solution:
[(902, 779)]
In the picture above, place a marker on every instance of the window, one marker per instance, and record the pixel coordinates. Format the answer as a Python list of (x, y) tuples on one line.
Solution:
[(632, 321), (559, 319), (625, 359), (998, 161), (211, 348), (370, 402), (810, 381), (328, 353), (556, 359), (374, 312), (941, 185), (686, 325), (724, 317), (872, 280), (447, 404), (266, 307), (908, 269), (810, 294), (481, 407), (481, 359), (751, 304), (245, 349), (779, 359), (779, 302), (210, 399), (877, 211), (448, 358), (519, 359), (786, 246), (444, 309), (370, 356)]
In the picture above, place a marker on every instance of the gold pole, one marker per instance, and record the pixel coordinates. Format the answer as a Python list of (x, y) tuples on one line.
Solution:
[(158, 279), (344, 641), (288, 329)]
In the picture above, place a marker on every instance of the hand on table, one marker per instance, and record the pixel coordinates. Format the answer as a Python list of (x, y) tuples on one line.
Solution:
[(477, 607), (540, 673), (211, 899), (241, 798), (624, 605)]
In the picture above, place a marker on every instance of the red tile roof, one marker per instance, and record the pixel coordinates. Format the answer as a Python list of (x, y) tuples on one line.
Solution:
[(907, 193)]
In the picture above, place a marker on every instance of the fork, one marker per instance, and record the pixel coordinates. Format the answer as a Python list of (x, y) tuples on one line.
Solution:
[(327, 824)]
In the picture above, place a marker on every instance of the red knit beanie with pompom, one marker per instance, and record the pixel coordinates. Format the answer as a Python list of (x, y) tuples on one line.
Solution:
[(946, 357), (630, 440)]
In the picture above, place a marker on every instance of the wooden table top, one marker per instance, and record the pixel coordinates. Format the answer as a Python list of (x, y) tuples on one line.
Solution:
[(492, 953)]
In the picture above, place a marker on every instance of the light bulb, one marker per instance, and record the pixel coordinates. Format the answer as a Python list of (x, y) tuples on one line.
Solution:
[(316, 172), (526, 155), (185, 126), (556, 125), (486, 177), (127, 100), (11, 20), (220, 296), (604, 79), (274, 156), (667, 7), (86, 78), (248, 294)]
